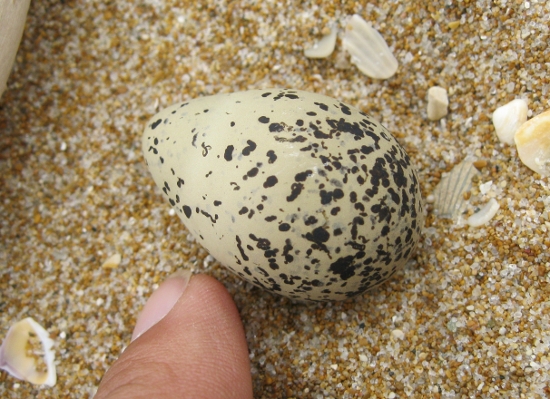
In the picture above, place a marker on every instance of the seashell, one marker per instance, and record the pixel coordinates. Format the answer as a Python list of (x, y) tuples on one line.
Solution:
[(508, 118), (324, 47), (13, 353), (449, 194), (533, 143), (112, 262), (398, 334), (485, 214), (368, 49), (12, 22), (438, 103)]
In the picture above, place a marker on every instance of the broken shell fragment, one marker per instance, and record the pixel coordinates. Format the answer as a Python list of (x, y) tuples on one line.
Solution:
[(438, 103), (449, 194), (485, 214), (112, 262), (398, 334), (533, 143), (13, 15), (324, 47), (14, 350), (368, 49), (508, 118)]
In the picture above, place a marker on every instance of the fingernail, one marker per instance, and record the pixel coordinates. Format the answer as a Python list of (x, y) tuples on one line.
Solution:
[(161, 301)]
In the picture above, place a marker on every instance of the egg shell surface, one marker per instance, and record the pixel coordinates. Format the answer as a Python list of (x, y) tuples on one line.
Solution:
[(296, 192)]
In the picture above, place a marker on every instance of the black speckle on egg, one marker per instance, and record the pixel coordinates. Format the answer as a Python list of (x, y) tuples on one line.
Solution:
[(320, 235), (324, 107), (241, 250), (310, 220), (249, 148), (296, 189), (284, 227), (343, 267), (243, 210), (270, 181), (228, 153), (187, 211), (272, 156), (251, 173), (302, 176), (328, 196), (155, 124), (276, 128)]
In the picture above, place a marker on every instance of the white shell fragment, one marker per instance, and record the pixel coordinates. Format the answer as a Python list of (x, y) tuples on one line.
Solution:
[(449, 199), (368, 49), (398, 334), (12, 22), (112, 262), (13, 353), (296, 192), (438, 103), (533, 143), (508, 118), (324, 47), (485, 214)]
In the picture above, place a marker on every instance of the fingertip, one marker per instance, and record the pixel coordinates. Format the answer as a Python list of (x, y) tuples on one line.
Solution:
[(198, 348), (161, 301), (206, 296)]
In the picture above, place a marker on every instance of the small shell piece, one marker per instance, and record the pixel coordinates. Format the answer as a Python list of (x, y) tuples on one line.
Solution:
[(368, 49), (112, 262), (533, 143), (438, 103), (13, 353), (398, 334), (508, 118), (324, 47), (13, 15), (485, 214), (449, 194)]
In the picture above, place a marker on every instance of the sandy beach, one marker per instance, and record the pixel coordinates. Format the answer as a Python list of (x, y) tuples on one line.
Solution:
[(469, 315)]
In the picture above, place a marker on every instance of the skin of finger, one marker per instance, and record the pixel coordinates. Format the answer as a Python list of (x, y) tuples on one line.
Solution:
[(198, 350)]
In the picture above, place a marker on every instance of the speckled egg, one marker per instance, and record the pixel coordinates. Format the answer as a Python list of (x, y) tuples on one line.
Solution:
[(296, 192)]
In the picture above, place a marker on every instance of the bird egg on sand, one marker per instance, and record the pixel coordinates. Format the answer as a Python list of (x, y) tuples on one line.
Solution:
[(296, 192)]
